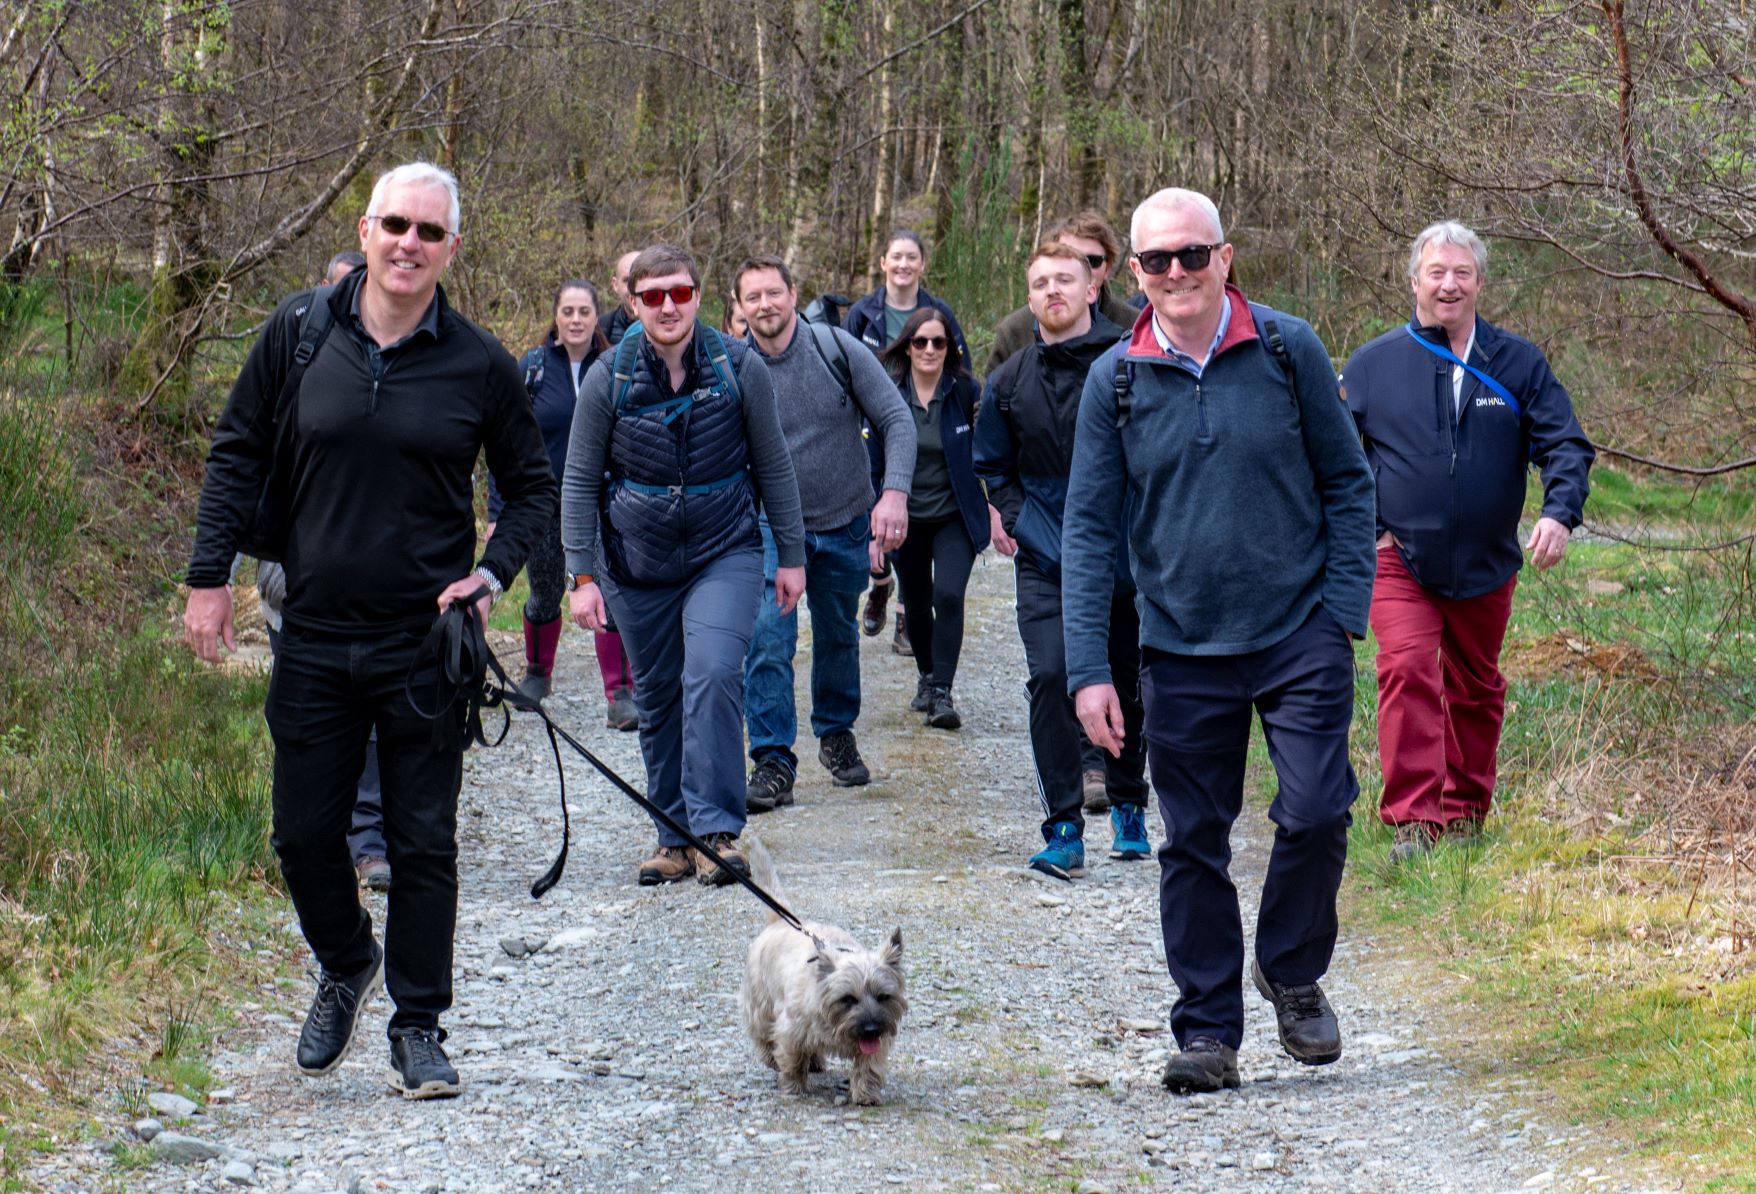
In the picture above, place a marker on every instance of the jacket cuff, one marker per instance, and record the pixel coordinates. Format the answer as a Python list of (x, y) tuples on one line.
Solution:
[(904, 483), (1085, 677)]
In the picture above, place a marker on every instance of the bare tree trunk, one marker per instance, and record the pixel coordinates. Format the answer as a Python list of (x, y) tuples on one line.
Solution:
[(882, 173)]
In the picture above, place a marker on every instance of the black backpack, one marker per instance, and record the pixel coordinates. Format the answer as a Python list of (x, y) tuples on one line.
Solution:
[(826, 309)]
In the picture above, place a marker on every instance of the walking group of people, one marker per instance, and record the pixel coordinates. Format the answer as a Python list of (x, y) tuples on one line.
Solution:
[(1201, 522)]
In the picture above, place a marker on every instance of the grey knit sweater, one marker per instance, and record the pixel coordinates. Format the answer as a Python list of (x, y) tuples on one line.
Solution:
[(822, 428)]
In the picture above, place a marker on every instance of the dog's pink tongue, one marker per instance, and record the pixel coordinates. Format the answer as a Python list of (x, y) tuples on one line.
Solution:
[(869, 1044)]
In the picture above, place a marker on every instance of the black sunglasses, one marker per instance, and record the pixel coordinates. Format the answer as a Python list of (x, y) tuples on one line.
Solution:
[(936, 343), (655, 297), (1096, 261), (399, 226), (1193, 258)]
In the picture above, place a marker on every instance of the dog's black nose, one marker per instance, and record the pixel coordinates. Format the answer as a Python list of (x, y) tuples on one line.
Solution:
[(871, 1028)]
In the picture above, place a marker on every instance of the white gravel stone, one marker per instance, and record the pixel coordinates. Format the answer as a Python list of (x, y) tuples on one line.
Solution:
[(172, 1106), (182, 1149)]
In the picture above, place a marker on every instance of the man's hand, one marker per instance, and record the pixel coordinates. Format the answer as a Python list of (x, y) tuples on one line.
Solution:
[(890, 519), (1548, 543), (458, 590), (1005, 544), (207, 622), (1100, 712), (587, 605), (875, 557), (789, 586)]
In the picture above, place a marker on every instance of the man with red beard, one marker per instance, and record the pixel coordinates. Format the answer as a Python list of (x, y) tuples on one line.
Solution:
[(1024, 452)]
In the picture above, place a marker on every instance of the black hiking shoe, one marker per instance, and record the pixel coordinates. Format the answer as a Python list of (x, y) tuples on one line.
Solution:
[(335, 1015), (1203, 1065), (770, 786), (877, 611), (923, 695), (838, 752), (418, 1065), (537, 683), (941, 713), (1308, 1029)]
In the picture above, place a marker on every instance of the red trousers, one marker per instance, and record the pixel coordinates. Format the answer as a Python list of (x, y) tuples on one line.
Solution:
[(1441, 697)]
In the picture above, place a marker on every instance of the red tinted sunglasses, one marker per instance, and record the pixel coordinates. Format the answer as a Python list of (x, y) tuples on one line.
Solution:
[(655, 297)]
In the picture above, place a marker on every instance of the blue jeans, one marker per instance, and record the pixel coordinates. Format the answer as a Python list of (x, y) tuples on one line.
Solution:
[(836, 572)]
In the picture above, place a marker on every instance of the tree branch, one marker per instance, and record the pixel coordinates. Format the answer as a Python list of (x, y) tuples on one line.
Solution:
[(953, 21), (1682, 469), (297, 223), (1726, 297)]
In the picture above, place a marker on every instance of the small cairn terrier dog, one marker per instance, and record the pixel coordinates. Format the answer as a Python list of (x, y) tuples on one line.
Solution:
[(818, 994)]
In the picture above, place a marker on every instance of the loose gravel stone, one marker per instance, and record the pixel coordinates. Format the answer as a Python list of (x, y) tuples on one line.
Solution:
[(172, 1106), (181, 1149)]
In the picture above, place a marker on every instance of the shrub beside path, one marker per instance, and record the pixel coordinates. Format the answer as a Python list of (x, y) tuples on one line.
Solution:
[(597, 1036)]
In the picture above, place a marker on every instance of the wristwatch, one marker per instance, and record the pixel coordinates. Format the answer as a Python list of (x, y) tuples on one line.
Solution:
[(495, 588), (579, 580)]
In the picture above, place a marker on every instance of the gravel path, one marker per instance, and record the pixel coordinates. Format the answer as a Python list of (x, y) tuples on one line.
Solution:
[(611, 1058)]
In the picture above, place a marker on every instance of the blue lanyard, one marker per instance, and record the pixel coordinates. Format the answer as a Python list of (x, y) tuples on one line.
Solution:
[(1447, 354)]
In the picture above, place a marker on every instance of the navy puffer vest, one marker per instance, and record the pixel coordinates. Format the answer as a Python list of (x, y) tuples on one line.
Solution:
[(680, 492)]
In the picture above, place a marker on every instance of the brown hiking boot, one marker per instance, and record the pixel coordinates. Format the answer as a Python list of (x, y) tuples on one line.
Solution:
[(1413, 840), (668, 864), (877, 611), (374, 873), (715, 872), (1463, 831), (899, 644), (1097, 794)]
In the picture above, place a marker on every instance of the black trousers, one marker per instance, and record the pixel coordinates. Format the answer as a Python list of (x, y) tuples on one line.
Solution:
[(932, 567), (1055, 739), (1198, 710), (326, 696)]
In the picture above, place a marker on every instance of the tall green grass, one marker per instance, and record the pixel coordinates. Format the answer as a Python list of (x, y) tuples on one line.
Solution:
[(133, 792)]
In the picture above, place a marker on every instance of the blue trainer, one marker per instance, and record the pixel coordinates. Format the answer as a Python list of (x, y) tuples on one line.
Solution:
[(1129, 822), (1064, 856)]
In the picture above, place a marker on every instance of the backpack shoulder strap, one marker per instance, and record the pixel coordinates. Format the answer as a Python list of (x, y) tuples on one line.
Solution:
[(834, 356), (315, 320), (622, 369), (719, 356), (1124, 383), (1268, 331)]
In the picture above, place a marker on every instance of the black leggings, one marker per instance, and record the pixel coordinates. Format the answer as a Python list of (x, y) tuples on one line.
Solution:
[(932, 566)]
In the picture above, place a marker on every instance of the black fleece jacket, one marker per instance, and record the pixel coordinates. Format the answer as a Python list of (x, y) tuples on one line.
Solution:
[(380, 514)]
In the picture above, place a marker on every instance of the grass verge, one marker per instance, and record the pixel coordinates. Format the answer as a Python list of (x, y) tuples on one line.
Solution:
[(133, 815), (1601, 939)]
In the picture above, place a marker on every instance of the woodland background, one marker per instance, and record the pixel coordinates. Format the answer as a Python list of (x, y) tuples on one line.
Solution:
[(213, 155)]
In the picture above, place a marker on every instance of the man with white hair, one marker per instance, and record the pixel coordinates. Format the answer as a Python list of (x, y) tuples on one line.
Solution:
[(1214, 439), (345, 451), (1451, 409)]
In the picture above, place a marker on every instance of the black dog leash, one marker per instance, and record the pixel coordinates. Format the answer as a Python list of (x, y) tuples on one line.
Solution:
[(461, 648)]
